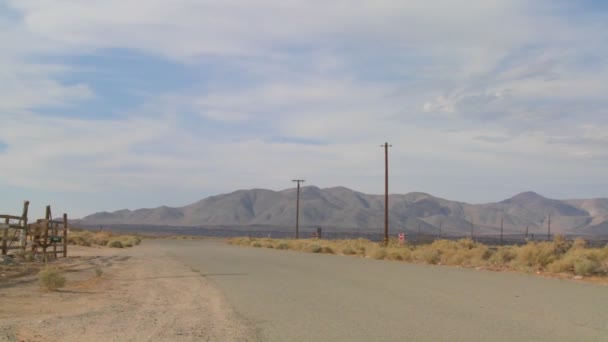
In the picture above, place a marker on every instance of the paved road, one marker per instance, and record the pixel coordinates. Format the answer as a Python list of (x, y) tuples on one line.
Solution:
[(292, 296)]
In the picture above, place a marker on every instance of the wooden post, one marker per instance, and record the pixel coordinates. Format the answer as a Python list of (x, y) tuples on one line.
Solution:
[(23, 232), (5, 236), (55, 230), (65, 235)]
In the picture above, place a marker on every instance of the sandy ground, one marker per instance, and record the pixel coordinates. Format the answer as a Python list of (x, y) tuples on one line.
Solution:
[(142, 295)]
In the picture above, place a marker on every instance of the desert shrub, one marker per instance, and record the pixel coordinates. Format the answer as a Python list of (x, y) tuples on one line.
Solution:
[(256, 244), (379, 253), (282, 245), (98, 272), (463, 252), (394, 255), (579, 243), (314, 248), (534, 255), (561, 245), (327, 249), (503, 256), (239, 241), (586, 267), (51, 279), (427, 254), (579, 261), (115, 244), (348, 250), (406, 254)]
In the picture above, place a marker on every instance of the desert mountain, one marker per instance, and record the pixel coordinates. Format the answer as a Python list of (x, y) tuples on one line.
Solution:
[(342, 208)]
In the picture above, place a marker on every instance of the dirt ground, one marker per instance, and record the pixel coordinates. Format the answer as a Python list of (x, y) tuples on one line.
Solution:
[(140, 296)]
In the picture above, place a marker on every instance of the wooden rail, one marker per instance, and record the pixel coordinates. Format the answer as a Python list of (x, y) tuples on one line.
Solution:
[(20, 227)]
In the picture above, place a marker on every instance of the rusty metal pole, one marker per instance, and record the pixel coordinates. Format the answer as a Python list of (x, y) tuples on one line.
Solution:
[(298, 207), (386, 146)]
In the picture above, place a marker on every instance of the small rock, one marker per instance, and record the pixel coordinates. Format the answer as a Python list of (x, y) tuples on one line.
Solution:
[(578, 277)]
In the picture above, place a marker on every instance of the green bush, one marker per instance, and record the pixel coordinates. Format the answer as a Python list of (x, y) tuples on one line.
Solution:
[(115, 244), (51, 279)]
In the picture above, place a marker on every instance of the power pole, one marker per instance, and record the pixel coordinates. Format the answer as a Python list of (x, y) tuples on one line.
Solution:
[(298, 207), (440, 225), (386, 146)]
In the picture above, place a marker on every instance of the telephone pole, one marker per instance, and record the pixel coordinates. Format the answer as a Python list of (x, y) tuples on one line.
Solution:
[(386, 146), (298, 206)]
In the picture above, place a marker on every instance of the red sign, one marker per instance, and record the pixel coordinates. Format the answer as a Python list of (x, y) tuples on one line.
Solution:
[(401, 237)]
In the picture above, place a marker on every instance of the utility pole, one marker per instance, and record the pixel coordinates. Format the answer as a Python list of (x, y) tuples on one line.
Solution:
[(386, 146), (440, 225), (549, 229), (299, 181)]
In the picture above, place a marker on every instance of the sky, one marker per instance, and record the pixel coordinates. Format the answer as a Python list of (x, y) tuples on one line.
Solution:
[(115, 104)]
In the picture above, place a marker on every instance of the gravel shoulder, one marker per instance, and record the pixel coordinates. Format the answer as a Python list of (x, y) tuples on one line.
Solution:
[(142, 295)]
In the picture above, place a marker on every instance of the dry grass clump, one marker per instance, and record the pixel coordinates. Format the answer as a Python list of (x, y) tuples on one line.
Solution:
[(463, 252), (88, 238), (557, 256), (51, 279)]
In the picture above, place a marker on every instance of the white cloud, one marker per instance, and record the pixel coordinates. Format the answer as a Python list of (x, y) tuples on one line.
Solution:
[(486, 90)]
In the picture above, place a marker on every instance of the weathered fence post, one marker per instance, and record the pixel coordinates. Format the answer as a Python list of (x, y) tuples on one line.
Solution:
[(5, 236), (65, 235), (23, 232)]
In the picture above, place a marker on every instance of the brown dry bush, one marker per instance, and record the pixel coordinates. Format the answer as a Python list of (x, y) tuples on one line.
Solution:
[(51, 279)]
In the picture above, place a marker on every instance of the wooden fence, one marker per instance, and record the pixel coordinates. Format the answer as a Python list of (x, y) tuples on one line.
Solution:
[(46, 237), (14, 230)]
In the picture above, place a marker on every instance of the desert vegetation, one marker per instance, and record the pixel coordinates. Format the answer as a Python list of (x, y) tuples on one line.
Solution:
[(560, 256), (51, 279), (88, 238)]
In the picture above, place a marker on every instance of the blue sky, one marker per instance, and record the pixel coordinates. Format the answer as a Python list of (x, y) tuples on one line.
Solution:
[(129, 104)]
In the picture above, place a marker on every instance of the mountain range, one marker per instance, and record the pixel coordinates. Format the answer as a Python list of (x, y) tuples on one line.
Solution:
[(342, 208)]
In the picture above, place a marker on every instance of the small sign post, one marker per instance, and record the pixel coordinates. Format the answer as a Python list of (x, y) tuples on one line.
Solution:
[(401, 238)]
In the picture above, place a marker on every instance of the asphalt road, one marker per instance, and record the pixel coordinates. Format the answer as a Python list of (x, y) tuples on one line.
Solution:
[(293, 296)]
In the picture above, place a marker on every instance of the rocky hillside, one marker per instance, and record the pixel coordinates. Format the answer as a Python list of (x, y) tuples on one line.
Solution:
[(344, 208)]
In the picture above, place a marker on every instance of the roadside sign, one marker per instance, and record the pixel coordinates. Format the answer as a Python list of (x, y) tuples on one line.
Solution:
[(55, 238), (401, 238), (314, 235)]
